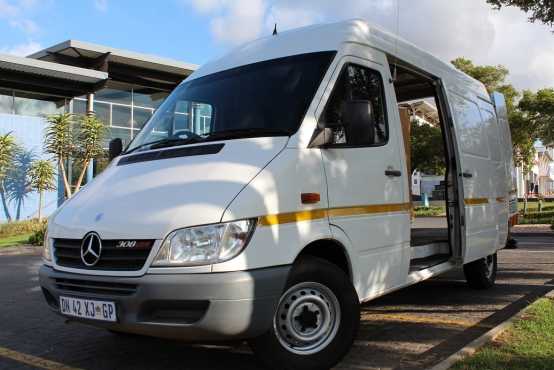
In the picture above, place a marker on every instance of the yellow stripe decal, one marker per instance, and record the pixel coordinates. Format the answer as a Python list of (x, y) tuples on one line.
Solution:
[(501, 199), (370, 209), (34, 361), (475, 201), (283, 218)]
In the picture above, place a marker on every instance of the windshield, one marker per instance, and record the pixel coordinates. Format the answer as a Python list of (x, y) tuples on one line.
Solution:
[(268, 98)]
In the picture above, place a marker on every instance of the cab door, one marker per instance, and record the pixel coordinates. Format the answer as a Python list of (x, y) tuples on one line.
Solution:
[(366, 175)]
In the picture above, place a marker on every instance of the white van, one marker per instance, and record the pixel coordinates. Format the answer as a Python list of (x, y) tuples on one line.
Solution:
[(269, 196)]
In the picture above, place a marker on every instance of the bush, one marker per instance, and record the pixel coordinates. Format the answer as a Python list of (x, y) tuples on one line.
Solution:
[(37, 237), (429, 212), (18, 228)]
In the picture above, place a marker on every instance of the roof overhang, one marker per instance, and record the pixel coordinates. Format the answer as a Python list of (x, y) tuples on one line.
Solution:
[(46, 77), (121, 65)]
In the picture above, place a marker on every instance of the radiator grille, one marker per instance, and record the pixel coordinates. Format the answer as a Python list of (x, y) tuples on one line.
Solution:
[(67, 253)]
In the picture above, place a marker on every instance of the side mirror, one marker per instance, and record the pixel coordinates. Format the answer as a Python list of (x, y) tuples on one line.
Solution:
[(359, 121), (115, 148)]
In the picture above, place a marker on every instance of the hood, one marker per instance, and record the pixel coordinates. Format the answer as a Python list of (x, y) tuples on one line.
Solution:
[(149, 199)]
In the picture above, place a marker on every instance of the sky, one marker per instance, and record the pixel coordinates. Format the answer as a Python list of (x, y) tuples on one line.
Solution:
[(196, 31)]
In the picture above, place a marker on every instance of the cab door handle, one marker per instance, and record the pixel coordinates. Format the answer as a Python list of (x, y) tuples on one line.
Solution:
[(393, 173)]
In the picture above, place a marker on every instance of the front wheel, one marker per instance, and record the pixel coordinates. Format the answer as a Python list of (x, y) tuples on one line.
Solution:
[(481, 274), (316, 320)]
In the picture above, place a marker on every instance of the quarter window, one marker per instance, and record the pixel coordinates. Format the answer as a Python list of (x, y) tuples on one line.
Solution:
[(357, 86)]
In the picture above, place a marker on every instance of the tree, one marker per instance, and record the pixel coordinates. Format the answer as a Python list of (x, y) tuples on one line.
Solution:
[(427, 149), (42, 175), (90, 140), (541, 10), (17, 181), (7, 152), (79, 138), (523, 130), (539, 110), (493, 77), (59, 141)]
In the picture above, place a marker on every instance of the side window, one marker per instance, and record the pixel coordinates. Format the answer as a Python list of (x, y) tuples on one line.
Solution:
[(356, 109)]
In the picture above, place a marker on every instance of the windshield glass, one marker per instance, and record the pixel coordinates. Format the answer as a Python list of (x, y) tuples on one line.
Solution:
[(267, 98)]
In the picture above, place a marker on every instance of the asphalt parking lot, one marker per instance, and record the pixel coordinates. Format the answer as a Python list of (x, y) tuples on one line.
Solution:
[(412, 328)]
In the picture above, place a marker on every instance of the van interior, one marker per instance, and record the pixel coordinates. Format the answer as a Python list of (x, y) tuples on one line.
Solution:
[(421, 104)]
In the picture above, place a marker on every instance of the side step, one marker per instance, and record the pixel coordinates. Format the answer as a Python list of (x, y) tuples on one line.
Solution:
[(428, 250)]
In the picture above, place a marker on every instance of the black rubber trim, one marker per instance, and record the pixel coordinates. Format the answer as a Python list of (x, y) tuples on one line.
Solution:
[(171, 153)]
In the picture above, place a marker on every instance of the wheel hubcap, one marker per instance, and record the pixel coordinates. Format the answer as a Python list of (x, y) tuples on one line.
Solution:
[(307, 318)]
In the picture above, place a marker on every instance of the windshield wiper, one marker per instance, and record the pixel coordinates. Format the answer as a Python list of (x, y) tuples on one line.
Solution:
[(164, 143), (217, 135), (245, 133)]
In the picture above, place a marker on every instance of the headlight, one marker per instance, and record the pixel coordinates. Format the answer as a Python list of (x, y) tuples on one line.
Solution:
[(46, 251), (204, 245)]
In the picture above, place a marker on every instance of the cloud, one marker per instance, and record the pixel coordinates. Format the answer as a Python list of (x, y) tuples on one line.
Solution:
[(8, 10), (15, 13), (448, 29), (22, 50), (233, 21), (25, 25), (101, 5)]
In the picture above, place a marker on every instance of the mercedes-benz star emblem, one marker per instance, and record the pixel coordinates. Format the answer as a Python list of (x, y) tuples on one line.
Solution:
[(91, 249)]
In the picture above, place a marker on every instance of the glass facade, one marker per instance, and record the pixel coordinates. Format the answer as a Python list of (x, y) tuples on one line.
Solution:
[(123, 108), (31, 104)]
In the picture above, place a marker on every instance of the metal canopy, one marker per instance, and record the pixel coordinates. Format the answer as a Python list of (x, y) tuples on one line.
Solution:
[(49, 78), (121, 65)]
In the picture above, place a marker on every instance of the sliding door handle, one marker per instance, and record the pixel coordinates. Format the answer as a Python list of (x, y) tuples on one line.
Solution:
[(393, 173), (467, 175)]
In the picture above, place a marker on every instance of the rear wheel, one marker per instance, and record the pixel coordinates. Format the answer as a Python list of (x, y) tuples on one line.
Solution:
[(481, 274), (316, 319)]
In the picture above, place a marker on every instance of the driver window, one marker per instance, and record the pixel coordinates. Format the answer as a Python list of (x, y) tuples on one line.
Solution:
[(357, 83)]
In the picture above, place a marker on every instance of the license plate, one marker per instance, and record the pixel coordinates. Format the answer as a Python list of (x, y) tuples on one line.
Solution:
[(88, 309)]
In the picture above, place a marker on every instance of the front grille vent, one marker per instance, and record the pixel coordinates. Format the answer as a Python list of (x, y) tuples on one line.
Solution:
[(67, 253), (94, 287)]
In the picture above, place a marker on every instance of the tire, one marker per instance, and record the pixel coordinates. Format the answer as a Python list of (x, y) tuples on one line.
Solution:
[(481, 274), (318, 301)]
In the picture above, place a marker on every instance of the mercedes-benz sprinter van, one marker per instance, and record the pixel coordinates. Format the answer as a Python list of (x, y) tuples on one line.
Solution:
[(269, 196)]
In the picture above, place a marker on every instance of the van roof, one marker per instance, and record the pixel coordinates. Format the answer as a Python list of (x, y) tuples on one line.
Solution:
[(330, 36)]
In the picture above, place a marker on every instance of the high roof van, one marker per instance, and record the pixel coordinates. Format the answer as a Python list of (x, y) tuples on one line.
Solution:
[(269, 196)]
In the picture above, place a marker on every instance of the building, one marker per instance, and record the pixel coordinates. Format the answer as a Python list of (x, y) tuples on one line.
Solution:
[(123, 88), (539, 181), (423, 112)]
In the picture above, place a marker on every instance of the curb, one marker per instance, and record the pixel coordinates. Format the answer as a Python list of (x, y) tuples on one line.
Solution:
[(490, 335), (531, 233)]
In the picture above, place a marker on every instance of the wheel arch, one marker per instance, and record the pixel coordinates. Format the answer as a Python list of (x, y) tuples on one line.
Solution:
[(330, 250)]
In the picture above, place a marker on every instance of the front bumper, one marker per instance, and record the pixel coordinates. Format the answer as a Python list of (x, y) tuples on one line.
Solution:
[(191, 307)]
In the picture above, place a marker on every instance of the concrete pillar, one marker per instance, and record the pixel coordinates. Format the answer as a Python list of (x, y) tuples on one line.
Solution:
[(90, 104)]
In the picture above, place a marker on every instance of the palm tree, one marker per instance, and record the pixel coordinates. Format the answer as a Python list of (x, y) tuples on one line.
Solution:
[(17, 182), (59, 140), (42, 176), (7, 149), (90, 143)]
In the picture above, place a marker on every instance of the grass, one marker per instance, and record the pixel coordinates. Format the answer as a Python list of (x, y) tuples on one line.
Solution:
[(528, 345), (10, 241), (534, 206)]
